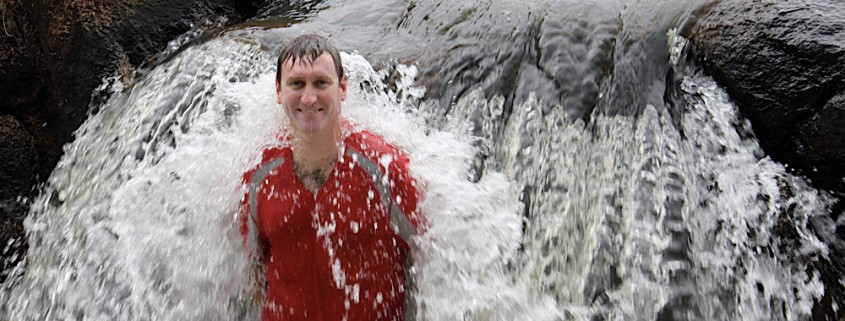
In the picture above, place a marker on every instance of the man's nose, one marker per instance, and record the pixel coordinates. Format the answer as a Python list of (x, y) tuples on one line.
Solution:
[(309, 96)]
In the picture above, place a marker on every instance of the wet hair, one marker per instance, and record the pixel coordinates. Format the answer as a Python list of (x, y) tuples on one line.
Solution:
[(308, 48)]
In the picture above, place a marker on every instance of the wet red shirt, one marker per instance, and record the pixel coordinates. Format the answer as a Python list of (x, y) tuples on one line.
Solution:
[(336, 254)]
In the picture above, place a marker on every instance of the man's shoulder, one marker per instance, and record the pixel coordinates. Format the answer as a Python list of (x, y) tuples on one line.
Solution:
[(271, 155), (388, 157), (371, 144), (279, 148)]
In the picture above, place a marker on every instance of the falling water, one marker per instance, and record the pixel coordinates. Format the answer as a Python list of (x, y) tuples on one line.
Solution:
[(663, 210)]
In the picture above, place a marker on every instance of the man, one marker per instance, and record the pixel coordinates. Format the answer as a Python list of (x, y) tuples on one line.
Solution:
[(329, 213)]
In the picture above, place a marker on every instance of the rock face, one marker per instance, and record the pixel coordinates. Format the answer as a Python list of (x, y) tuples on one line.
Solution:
[(53, 54), (823, 136), (18, 164), (784, 63)]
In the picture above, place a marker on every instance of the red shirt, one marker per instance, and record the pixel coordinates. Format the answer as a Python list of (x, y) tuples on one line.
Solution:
[(334, 254)]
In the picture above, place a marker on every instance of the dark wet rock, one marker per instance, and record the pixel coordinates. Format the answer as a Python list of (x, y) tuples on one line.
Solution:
[(53, 54), (783, 62), (18, 166), (516, 49), (823, 139)]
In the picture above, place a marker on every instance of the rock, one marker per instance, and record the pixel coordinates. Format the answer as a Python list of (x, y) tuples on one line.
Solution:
[(18, 167), (515, 50), (53, 54), (783, 62), (51, 63), (823, 139), (18, 164)]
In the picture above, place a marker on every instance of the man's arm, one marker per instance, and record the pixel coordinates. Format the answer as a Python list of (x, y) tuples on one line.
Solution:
[(406, 197), (254, 252), (404, 191)]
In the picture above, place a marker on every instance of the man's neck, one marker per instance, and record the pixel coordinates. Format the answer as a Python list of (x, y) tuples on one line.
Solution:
[(314, 156), (312, 150)]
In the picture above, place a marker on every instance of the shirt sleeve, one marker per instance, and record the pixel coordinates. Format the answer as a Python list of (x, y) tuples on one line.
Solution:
[(243, 213), (405, 191), (251, 242)]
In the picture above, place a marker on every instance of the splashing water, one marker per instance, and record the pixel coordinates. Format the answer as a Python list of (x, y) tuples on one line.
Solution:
[(138, 222), (533, 217)]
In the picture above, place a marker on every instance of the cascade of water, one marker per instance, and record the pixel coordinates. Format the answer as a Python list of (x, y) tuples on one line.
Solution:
[(637, 218), (535, 214), (118, 232), (138, 222)]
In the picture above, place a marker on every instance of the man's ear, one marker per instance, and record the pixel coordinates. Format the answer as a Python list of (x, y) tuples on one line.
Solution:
[(278, 93), (343, 89)]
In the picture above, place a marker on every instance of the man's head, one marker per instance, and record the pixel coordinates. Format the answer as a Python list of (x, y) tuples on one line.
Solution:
[(307, 48), (310, 87)]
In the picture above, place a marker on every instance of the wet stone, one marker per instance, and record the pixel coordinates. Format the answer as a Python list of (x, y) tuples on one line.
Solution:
[(18, 165)]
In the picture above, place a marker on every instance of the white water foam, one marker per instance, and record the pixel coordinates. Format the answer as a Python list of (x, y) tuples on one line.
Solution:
[(626, 217), (139, 220), (637, 218)]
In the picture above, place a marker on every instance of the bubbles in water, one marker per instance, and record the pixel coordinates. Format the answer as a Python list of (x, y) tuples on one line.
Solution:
[(150, 193), (531, 217)]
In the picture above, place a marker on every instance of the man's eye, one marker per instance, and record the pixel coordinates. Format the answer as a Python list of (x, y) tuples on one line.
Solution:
[(296, 83)]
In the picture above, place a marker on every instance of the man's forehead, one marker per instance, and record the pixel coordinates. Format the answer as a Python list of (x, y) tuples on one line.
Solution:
[(307, 59)]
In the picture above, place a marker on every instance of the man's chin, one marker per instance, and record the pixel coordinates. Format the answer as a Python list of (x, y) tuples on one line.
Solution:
[(312, 127), (309, 128)]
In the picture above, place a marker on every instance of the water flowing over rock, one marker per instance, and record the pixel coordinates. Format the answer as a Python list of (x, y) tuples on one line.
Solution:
[(18, 161), (18, 166), (53, 54), (577, 166), (558, 51), (784, 62)]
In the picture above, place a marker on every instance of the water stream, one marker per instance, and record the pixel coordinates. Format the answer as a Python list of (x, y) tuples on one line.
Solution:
[(561, 181)]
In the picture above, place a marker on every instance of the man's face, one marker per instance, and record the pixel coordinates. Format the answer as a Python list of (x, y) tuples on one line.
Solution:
[(311, 94)]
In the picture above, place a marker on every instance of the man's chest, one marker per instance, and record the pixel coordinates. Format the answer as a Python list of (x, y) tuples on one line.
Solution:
[(346, 207)]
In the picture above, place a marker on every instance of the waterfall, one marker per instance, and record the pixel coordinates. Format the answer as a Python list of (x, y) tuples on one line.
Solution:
[(633, 208)]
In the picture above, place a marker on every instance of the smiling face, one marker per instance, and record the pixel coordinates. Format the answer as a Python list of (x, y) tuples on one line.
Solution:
[(311, 94)]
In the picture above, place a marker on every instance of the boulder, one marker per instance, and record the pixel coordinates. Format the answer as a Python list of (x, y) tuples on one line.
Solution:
[(823, 139), (53, 54), (18, 165), (783, 61)]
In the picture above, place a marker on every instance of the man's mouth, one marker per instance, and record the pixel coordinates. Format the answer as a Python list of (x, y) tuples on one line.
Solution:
[(309, 110)]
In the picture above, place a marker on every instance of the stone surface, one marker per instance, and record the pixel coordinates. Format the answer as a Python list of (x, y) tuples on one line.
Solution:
[(515, 49), (823, 139), (782, 61), (53, 54), (18, 165)]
